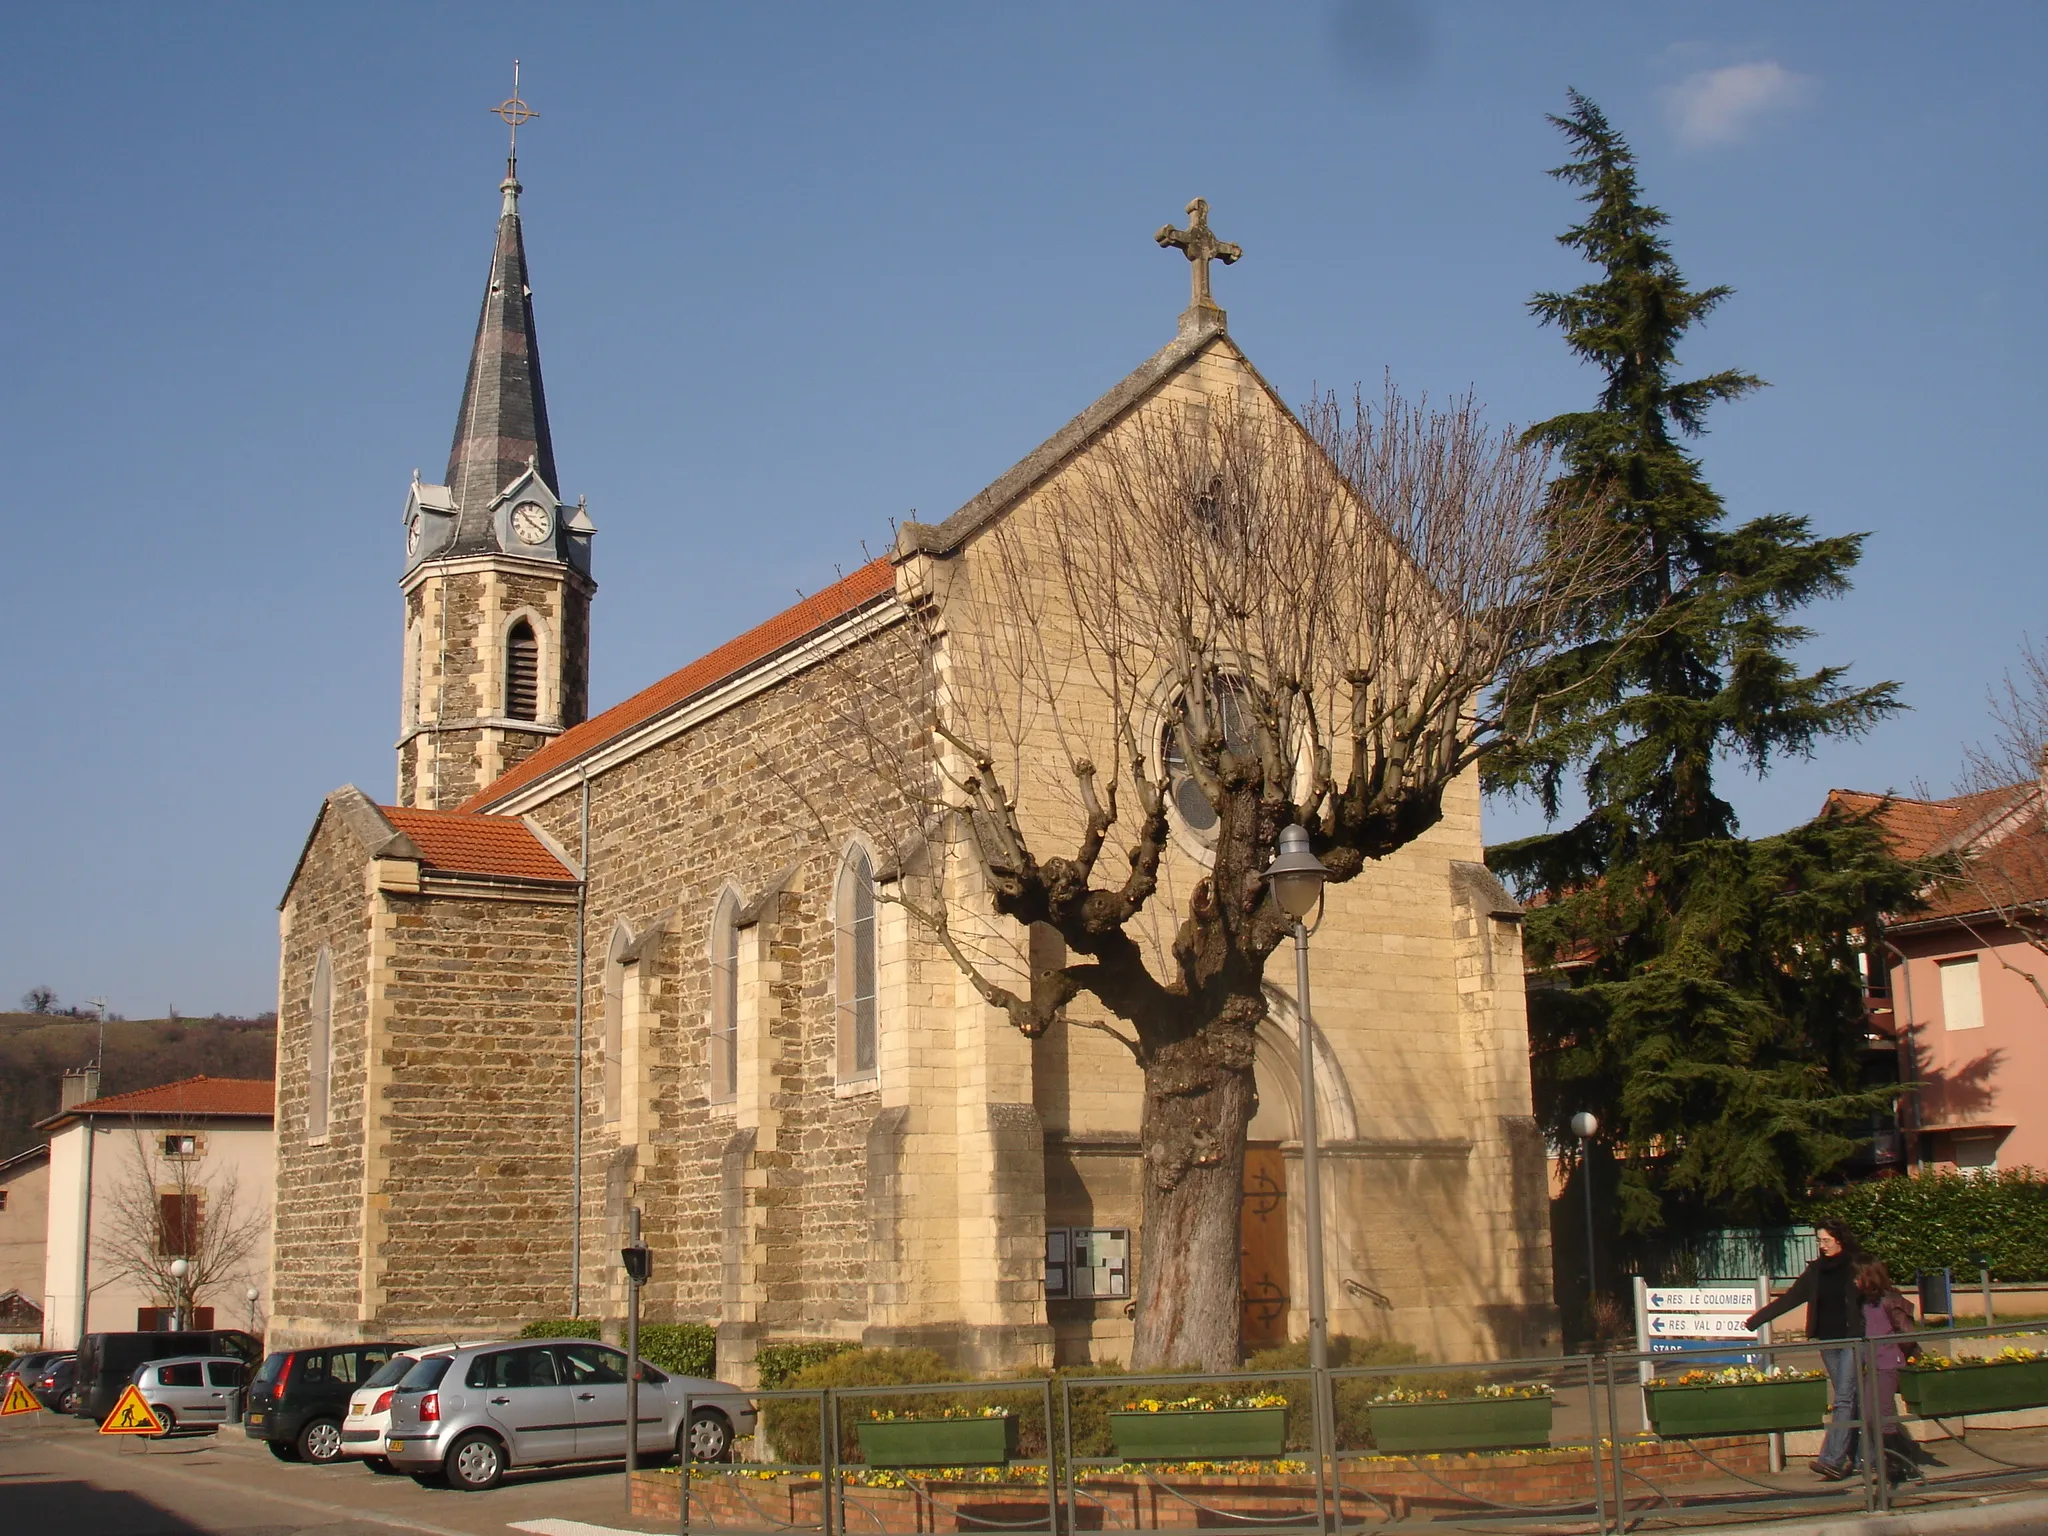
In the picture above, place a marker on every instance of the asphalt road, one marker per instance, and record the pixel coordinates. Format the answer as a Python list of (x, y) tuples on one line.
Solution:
[(59, 1475)]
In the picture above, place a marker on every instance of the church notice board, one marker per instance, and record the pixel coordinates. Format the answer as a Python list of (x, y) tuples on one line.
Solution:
[(1699, 1321)]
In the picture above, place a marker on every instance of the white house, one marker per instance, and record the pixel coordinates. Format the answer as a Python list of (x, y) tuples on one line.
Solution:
[(139, 1179)]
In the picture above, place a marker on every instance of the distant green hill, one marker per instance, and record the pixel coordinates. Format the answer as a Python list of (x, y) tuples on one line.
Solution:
[(36, 1050)]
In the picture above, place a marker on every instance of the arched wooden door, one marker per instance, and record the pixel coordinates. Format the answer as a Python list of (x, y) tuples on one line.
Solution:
[(1262, 1231)]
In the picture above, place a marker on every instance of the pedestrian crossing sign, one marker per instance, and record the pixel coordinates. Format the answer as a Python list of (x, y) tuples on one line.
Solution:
[(19, 1399), (132, 1416)]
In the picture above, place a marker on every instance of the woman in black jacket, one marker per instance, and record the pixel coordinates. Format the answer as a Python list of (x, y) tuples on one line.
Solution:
[(1834, 1310)]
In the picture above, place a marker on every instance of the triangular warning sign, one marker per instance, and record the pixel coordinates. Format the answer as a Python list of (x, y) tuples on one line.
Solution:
[(132, 1416), (19, 1399)]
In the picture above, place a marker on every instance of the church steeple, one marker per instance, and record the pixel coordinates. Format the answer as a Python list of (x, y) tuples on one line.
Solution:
[(503, 425), (497, 581)]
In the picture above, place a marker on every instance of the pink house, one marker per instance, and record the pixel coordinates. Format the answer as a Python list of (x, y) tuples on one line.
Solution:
[(1961, 988)]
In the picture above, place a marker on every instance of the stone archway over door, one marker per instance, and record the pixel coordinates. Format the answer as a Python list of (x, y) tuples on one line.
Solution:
[(1262, 1232)]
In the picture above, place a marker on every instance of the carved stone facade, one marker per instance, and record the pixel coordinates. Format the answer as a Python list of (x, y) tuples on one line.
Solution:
[(824, 1146)]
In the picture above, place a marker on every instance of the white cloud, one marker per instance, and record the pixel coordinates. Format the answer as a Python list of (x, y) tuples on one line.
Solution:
[(1719, 106)]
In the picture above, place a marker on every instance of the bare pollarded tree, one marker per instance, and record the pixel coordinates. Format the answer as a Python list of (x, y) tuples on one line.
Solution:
[(2006, 869), (171, 1200), (1217, 622)]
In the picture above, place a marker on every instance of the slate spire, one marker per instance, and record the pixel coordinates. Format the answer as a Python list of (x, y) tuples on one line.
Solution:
[(504, 419)]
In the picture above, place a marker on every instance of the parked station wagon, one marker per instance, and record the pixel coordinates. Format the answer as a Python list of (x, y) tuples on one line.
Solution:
[(469, 1415), (193, 1390)]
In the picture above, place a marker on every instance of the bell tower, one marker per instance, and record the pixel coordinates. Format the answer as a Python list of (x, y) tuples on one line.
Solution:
[(497, 582)]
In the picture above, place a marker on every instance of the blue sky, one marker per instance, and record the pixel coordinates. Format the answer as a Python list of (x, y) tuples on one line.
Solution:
[(800, 270)]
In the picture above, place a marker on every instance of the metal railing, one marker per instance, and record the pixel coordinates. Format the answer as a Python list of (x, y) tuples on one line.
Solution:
[(1480, 1445)]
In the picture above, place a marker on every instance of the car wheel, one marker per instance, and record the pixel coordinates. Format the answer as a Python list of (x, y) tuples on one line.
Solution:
[(475, 1462), (710, 1435), (165, 1417), (381, 1465), (283, 1450), (320, 1442)]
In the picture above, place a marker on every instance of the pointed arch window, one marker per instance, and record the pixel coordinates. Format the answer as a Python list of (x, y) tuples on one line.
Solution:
[(612, 1065), (853, 911), (320, 1046), (522, 673), (723, 1084)]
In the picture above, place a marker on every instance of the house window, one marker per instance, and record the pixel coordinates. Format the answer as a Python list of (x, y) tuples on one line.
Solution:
[(320, 1046), (853, 909), (724, 1081), (177, 1226), (181, 1146), (1962, 998), (522, 673), (1976, 1154)]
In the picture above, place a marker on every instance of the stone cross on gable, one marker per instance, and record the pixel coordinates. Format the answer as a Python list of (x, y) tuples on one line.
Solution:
[(1201, 247)]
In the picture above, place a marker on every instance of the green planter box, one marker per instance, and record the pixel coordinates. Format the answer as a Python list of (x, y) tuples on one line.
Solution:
[(1751, 1408), (938, 1442), (1462, 1424), (1220, 1434), (1975, 1388)]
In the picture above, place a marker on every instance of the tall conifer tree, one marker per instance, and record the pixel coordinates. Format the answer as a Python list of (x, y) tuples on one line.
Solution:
[(1712, 1014)]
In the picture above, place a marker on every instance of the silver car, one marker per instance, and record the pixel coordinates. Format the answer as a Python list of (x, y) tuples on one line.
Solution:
[(471, 1414), (188, 1391)]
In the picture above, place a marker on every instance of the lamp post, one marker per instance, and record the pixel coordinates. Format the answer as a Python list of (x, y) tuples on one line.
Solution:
[(179, 1270), (1296, 877), (639, 1264), (1585, 1126), (250, 1296)]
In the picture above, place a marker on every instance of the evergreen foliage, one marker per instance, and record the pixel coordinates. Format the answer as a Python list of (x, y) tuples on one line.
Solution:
[(1708, 1008), (1948, 1221)]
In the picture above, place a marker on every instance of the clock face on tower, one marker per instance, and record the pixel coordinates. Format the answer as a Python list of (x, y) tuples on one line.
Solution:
[(530, 522), (412, 537)]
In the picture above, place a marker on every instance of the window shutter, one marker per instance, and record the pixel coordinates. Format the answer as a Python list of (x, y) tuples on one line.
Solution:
[(522, 673)]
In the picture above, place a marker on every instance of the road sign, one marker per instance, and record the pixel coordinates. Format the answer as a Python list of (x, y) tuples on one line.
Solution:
[(1700, 1298), (1696, 1325), (132, 1416), (19, 1399)]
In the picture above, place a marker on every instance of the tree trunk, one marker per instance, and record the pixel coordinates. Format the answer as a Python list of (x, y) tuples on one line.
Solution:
[(1199, 1099)]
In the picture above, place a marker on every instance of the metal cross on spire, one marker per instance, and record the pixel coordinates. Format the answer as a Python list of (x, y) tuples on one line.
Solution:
[(1200, 247), (514, 112)]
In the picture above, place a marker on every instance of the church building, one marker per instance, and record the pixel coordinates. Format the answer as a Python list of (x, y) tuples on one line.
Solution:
[(579, 964)]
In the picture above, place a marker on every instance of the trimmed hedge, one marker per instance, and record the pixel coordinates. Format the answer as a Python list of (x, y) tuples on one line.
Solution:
[(564, 1328), (1946, 1220), (779, 1364), (688, 1349)]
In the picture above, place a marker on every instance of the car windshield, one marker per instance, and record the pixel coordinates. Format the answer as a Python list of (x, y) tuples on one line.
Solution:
[(425, 1374), (272, 1365), (392, 1371)]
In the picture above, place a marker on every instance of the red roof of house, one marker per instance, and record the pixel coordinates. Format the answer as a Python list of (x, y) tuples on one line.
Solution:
[(2005, 855), (254, 1097), (478, 845), (757, 644)]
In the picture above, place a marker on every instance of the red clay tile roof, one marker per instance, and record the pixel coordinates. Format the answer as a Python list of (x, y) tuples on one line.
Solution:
[(477, 845), (1920, 827), (786, 628), (255, 1097), (2009, 871)]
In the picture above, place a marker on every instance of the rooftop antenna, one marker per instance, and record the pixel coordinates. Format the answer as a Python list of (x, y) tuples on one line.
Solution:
[(99, 1050), (514, 112)]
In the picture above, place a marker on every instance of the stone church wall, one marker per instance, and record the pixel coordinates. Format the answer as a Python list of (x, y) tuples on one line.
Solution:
[(316, 1268)]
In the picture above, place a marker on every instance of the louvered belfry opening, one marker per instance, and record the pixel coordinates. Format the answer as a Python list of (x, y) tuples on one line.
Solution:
[(522, 673)]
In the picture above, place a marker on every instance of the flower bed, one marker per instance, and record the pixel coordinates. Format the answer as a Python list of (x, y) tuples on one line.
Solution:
[(1736, 1401), (1200, 1429), (1493, 1418), (962, 1438), (1938, 1385)]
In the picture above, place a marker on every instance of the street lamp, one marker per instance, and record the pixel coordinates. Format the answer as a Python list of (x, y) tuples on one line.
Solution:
[(250, 1296), (1296, 877), (1585, 1126), (639, 1266), (179, 1270)]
